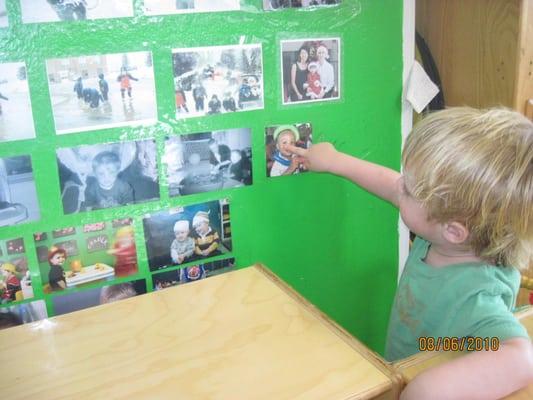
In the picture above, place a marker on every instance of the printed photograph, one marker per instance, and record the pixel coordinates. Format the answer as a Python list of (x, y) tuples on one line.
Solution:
[(25, 313), (279, 160), (107, 175), (86, 257), (73, 10), (192, 273), (18, 195), (160, 7), (16, 117), (203, 162), (76, 301), (310, 70), (15, 278), (215, 80), (279, 4), (186, 234), (3, 14), (102, 91)]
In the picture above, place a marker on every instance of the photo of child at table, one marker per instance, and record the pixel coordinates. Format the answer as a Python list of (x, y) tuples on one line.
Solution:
[(280, 161), (56, 275), (125, 252), (86, 255), (171, 235), (183, 246)]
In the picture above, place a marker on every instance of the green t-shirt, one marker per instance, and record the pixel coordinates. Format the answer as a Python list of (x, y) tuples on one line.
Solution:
[(459, 300)]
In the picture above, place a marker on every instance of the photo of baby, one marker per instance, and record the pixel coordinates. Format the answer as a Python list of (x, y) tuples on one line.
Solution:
[(280, 161), (76, 301), (310, 70), (18, 195), (278, 4), (14, 315), (219, 79), (192, 273), (86, 257), (3, 14), (73, 10), (102, 91), (160, 7), (16, 117), (186, 234), (207, 161), (108, 175), (15, 277)]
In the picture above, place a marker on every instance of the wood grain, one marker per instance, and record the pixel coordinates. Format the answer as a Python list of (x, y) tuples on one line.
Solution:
[(239, 335)]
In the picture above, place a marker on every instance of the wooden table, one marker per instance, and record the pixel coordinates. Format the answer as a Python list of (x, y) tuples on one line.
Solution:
[(239, 335), (410, 367)]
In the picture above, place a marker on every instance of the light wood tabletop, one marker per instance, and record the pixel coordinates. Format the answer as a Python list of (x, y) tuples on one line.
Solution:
[(410, 367), (239, 335)]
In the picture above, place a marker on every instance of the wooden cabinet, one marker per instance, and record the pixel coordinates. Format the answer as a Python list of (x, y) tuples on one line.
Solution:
[(483, 50)]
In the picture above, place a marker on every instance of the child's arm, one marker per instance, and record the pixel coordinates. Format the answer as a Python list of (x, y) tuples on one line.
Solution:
[(484, 375), (379, 180)]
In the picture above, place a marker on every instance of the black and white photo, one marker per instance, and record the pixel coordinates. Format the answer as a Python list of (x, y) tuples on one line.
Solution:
[(102, 91), (107, 175), (310, 70), (73, 10), (18, 195), (280, 4), (216, 80), (16, 117), (207, 161), (160, 7)]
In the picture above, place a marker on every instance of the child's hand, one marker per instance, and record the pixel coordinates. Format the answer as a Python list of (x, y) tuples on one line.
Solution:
[(319, 157)]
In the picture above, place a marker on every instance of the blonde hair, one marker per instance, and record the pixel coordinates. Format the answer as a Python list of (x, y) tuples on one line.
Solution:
[(476, 167), (120, 291)]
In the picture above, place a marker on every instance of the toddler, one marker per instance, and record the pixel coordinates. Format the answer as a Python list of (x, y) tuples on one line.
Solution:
[(313, 85), (125, 252), (206, 239), (108, 190), (466, 192), (10, 284), (285, 162), (183, 246), (56, 275)]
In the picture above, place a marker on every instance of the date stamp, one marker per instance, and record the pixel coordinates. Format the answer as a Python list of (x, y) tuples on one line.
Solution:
[(468, 343)]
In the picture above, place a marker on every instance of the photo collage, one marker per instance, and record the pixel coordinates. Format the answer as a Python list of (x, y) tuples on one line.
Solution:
[(99, 260)]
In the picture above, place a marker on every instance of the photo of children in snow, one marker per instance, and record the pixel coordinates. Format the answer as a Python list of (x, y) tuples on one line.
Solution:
[(18, 196), (159, 7), (102, 91), (15, 277), (186, 234), (192, 273), (108, 175), (214, 80), (86, 257), (203, 162), (278, 4), (279, 159), (73, 10), (14, 315), (16, 119), (3, 14), (66, 303), (311, 70)]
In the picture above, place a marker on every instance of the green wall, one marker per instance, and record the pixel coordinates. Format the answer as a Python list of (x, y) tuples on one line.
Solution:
[(333, 242)]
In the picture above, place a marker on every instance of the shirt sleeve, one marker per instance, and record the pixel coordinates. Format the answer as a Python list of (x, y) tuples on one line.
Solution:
[(487, 313)]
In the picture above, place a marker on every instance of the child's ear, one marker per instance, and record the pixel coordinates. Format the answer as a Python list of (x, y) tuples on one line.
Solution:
[(455, 232)]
